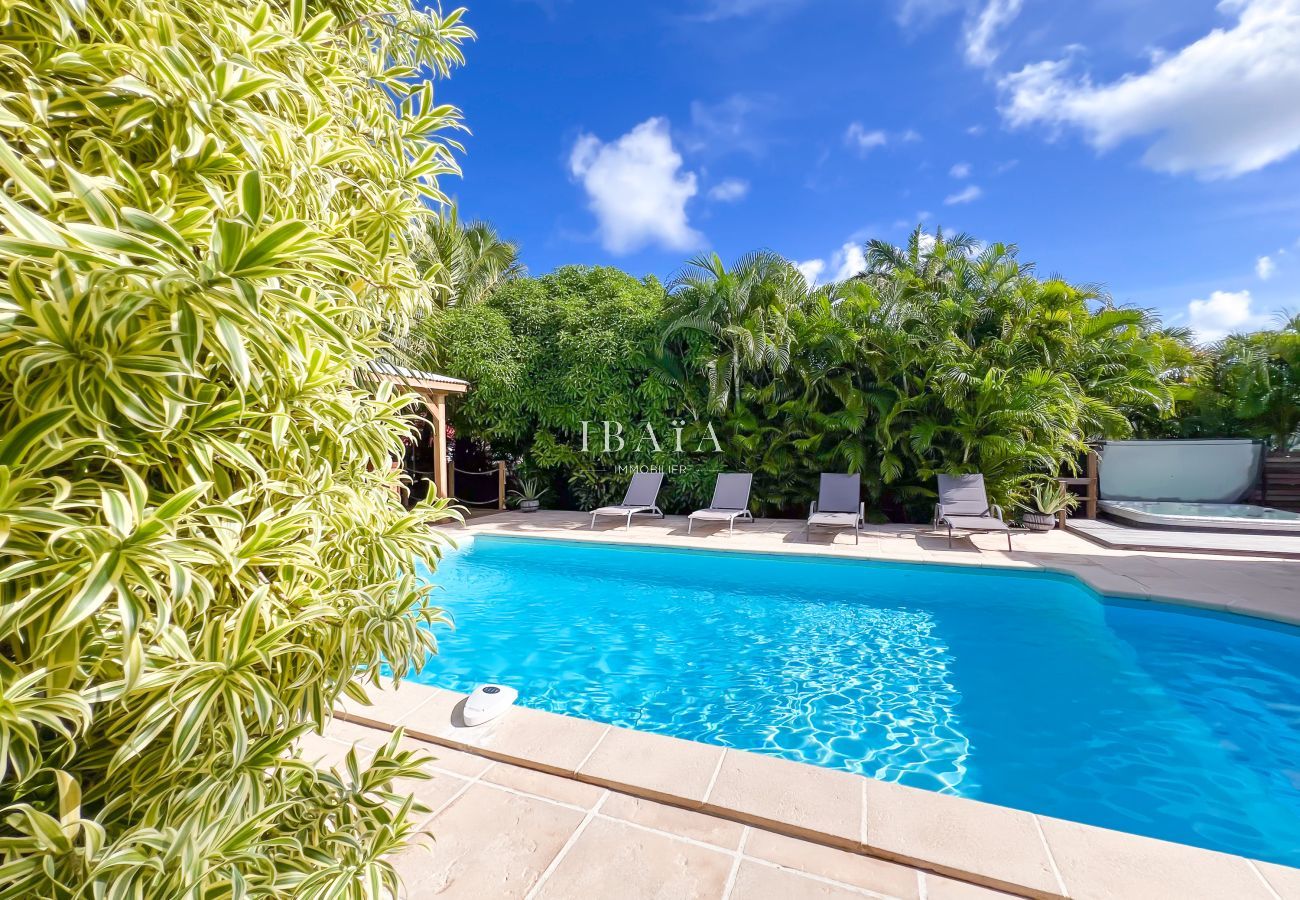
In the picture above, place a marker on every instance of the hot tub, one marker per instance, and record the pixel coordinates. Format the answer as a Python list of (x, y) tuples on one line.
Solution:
[(1204, 516)]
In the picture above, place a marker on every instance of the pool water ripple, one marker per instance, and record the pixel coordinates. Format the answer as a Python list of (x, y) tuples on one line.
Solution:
[(1021, 689)]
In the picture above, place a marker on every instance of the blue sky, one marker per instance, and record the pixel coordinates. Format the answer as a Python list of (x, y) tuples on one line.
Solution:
[(1150, 147)]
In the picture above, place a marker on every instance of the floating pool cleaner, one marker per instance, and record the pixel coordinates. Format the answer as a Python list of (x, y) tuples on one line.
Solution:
[(487, 702)]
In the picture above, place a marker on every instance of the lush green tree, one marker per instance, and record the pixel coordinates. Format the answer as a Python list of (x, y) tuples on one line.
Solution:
[(464, 262), (546, 355), (1260, 374), (942, 356), (204, 227)]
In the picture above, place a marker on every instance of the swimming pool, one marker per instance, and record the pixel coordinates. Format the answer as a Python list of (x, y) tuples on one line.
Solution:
[(1022, 689)]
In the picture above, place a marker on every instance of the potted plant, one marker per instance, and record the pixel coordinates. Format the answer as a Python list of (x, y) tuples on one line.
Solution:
[(528, 496), (1048, 499)]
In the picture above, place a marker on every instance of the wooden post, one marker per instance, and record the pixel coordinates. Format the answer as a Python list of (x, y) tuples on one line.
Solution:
[(1094, 486), (437, 405), (501, 484)]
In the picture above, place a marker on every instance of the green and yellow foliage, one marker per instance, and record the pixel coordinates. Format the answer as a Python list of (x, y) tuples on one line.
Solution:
[(205, 213)]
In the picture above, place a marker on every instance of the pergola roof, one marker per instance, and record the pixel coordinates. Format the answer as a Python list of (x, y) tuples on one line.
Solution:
[(415, 378)]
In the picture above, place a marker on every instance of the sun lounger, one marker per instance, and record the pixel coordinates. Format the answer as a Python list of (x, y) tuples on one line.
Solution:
[(837, 505), (730, 501), (641, 499), (964, 505)]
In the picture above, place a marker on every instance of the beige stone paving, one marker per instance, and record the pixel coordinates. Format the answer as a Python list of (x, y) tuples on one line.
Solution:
[(1256, 586), (498, 832)]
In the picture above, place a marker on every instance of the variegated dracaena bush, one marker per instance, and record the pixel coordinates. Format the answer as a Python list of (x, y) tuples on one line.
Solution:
[(205, 210)]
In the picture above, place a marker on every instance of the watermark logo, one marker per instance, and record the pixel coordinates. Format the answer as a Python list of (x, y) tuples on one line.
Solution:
[(607, 437), (613, 437)]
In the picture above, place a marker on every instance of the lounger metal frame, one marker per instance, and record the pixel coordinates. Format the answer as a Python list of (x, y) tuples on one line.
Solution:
[(653, 511)]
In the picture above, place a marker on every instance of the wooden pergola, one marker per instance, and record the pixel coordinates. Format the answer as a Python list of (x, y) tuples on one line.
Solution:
[(433, 389)]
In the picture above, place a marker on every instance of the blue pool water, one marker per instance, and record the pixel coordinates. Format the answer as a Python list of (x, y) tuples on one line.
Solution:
[(1026, 690)]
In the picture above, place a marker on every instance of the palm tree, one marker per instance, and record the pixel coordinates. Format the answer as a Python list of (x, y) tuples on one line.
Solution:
[(465, 263), (1260, 372), (741, 312), (973, 362)]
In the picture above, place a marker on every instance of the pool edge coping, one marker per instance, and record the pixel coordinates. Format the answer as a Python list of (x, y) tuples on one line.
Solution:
[(994, 846)]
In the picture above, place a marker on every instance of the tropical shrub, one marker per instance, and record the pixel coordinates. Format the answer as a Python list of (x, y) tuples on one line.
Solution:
[(940, 357), (743, 313), (546, 355), (1256, 377), (204, 224), (1243, 386), (936, 358)]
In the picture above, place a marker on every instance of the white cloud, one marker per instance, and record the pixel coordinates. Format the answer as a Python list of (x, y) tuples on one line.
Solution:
[(1224, 313), (981, 30), (858, 136), (1219, 107), (960, 170), (847, 261), (865, 140), (975, 130), (636, 188), (965, 195), (1265, 267), (811, 269), (729, 190)]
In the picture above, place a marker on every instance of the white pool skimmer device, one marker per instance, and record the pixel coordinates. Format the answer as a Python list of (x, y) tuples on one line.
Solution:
[(487, 702)]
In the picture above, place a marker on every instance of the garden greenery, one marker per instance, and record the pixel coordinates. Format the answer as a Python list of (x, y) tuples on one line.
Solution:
[(546, 355), (205, 211), (1245, 385), (940, 357)]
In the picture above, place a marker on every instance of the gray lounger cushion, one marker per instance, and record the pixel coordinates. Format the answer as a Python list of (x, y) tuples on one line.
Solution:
[(730, 496), (838, 504), (976, 523), (964, 505), (839, 493), (730, 500)]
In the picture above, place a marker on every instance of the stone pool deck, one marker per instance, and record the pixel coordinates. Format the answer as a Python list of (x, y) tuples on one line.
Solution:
[(498, 830), (535, 804), (542, 805)]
